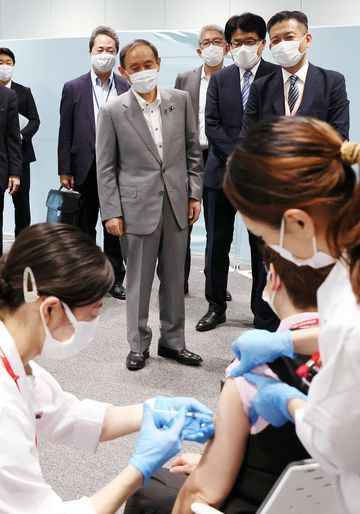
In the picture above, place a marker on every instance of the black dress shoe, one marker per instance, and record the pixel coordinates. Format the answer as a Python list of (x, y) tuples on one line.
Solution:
[(118, 291), (136, 360), (228, 296), (210, 321), (182, 356)]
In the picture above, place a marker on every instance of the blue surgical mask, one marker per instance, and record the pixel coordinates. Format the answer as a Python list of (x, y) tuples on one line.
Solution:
[(318, 260)]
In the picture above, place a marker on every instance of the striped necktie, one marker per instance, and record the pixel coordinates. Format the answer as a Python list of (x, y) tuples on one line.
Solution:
[(293, 94), (245, 88)]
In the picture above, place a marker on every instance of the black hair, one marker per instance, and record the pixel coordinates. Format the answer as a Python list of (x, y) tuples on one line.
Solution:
[(106, 31), (288, 15), (247, 22), (133, 44), (9, 53)]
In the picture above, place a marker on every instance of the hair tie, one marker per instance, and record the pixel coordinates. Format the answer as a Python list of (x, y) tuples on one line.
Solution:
[(349, 152)]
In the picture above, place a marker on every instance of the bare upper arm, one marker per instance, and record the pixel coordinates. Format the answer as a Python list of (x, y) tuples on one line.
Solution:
[(215, 475)]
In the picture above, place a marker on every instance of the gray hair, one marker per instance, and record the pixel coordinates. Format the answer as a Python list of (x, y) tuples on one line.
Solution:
[(106, 31), (217, 28)]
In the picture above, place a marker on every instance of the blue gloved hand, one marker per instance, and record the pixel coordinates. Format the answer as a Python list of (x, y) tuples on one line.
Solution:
[(154, 446), (199, 428), (257, 347), (270, 401)]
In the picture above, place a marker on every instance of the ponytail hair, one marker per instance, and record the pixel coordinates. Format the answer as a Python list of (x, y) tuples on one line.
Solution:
[(345, 233), (299, 162)]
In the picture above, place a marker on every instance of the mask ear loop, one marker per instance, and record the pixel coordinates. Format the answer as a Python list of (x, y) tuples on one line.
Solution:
[(32, 295), (282, 232)]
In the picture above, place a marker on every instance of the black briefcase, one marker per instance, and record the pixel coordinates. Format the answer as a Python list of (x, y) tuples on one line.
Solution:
[(64, 206)]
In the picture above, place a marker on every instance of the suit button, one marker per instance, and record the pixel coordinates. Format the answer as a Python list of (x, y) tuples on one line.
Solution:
[(161, 193), (163, 170)]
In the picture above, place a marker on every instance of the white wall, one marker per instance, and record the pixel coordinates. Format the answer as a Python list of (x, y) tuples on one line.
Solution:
[(61, 18)]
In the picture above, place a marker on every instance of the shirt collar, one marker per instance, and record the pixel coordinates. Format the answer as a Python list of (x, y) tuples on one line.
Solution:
[(300, 73), (253, 69), (94, 78), (8, 85), (144, 104), (203, 74)]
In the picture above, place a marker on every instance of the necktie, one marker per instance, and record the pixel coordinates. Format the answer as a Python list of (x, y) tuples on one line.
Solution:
[(245, 88), (293, 94)]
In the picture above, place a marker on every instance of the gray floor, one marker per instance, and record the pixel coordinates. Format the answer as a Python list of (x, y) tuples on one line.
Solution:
[(100, 373)]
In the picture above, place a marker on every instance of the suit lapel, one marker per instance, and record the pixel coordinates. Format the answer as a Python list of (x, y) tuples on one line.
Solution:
[(167, 120), (277, 94), (135, 116), (310, 90), (234, 89), (195, 90), (88, 100)]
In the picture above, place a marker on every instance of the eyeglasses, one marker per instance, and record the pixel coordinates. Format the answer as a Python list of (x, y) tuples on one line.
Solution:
[(248, 42), (216, 42)]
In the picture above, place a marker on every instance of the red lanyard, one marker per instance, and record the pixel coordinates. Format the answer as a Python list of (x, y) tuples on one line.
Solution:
[(9, 368), (14, 376), (306, 323)]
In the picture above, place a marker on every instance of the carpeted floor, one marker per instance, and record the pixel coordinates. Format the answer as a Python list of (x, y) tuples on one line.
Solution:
[(99, 373)]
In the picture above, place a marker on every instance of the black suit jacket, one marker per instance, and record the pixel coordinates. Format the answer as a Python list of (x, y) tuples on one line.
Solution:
[(10, 142), (223, 118), (324, 98), (76, 143), (27, 107)]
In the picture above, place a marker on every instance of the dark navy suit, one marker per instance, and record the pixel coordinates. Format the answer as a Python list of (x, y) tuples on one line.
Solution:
[(223, 121), (26, 107), (324, 98), (10, 145), (76, 155)]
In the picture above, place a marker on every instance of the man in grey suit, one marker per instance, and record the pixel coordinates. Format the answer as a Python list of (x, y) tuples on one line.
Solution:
[(150, 176), (212, 49)]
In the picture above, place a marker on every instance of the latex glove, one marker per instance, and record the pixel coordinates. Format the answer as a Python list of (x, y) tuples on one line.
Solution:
[(257, 347), (154, 446), (198, 429), (270, 401)]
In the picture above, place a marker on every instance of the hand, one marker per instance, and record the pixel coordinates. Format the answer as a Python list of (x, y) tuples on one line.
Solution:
[(67, 180), (115, 226), (185, 463), (155, 446), (198, 429), (13, 184), (271, 400), (256, 347), (194, 209)]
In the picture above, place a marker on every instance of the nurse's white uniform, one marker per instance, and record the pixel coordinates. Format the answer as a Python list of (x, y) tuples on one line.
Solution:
[(41, 408), (329, 425)]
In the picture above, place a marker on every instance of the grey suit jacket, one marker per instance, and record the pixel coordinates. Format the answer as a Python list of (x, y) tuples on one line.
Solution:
[(131, 175), (190, 81)]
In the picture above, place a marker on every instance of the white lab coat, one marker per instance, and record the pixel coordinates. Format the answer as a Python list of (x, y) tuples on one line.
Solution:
[(62, 418), (329, 425)]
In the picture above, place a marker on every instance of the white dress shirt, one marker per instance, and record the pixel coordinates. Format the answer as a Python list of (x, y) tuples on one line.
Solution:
[(39, 408), (328, 426), (102, 92), (301, 74), (152, 115), (253, 71), (204, 83)]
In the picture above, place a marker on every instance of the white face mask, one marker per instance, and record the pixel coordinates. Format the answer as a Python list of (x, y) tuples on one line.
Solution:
[(6, 71), (287, 53), (318, 259), (144, 81), (213, 55), (84, 332), (245, 56), (265, 295), (103, 62)]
